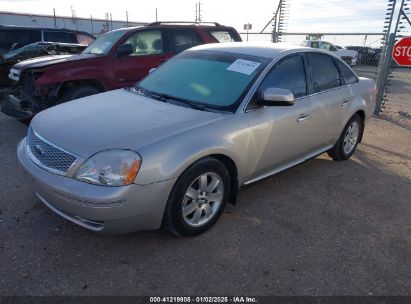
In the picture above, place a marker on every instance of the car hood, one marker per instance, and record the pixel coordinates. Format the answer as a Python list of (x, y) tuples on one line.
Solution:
[(40, 62), (116, 119)]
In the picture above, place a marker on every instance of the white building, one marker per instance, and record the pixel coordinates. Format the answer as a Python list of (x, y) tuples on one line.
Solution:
[(90, 25)]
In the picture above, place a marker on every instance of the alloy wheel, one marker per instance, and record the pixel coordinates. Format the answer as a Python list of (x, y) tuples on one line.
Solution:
[(202, 199)]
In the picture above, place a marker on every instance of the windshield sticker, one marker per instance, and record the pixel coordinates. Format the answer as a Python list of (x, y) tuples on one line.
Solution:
[(243, 66)]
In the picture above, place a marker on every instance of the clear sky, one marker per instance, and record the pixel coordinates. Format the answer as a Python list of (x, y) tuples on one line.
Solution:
[(305, 15)]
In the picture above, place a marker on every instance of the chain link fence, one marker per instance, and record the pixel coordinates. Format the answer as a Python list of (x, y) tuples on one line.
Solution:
[(396, 99), (368, 48), (363, 48), (397, 95)]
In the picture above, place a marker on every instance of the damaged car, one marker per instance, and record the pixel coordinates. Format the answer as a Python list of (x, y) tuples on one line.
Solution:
[(115, 60), (33, 50)]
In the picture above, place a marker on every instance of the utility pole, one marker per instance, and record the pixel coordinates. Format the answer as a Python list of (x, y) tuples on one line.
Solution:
[(127, 18), (74, 16), (111, 21), (91, 19), (156, 15), (198, 17), (55, 20)]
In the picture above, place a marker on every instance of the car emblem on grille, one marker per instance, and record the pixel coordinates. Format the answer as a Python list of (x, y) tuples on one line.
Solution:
[(39, 150)]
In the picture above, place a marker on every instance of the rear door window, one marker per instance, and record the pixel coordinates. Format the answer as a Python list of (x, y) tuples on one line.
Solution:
[(324, 73), (182, 39), (347, 75)]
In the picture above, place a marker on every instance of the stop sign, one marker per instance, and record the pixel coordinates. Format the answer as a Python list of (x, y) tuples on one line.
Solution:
[(402, 52)]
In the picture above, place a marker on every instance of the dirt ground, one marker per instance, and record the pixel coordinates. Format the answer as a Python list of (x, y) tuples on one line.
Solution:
[(321, 228)]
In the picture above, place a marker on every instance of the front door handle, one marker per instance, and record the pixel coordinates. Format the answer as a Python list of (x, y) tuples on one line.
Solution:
[(346, 102), (302, 117)]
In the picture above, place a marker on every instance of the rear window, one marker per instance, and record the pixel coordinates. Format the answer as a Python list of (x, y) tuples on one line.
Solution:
[(84, 39), (14, 39), (57, 36), (182, 39), (223, 36)]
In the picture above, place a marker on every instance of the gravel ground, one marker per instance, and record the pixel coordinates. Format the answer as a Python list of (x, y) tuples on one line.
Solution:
[(321, 228)]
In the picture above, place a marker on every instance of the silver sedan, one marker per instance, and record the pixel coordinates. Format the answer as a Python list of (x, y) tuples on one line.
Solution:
[(175, 148)]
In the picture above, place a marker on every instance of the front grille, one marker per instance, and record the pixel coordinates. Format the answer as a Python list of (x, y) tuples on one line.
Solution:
[(47, 155)]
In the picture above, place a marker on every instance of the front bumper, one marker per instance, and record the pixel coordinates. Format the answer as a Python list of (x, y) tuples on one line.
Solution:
[(108, 210)]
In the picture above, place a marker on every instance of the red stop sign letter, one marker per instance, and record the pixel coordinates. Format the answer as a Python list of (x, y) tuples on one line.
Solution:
[(402, 52)]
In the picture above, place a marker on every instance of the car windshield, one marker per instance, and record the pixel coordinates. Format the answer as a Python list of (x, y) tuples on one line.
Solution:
[(27, 48), (103, 44), (216, 80)]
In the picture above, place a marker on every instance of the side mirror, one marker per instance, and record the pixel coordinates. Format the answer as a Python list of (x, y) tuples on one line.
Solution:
[(276, 97), (152, 70), (124, 50)]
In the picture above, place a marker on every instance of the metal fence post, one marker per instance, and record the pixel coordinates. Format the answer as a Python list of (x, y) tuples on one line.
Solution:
[(383, 73)]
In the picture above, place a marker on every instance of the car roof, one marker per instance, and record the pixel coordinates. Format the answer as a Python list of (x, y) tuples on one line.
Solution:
[(190, 25), (265, 50)]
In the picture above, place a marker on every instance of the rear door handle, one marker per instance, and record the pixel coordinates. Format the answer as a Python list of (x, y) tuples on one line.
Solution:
[(302, 117), (346, 102)]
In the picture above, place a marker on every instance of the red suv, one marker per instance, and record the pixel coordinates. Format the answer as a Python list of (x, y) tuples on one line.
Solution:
[(116, 59)]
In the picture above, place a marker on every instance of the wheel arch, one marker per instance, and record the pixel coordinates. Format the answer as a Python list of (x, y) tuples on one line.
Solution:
[(84, 82), (232, 169), (362, 115), (228, 162)]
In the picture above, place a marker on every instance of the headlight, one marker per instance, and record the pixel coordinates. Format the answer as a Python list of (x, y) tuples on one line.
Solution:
[(110, 168)]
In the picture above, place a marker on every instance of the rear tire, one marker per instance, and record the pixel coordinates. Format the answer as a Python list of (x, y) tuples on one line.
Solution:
[(198, 198), (78, 92), (349, 139)]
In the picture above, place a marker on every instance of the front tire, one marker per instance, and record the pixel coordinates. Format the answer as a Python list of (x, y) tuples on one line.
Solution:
[(198, 198), (349, 139)]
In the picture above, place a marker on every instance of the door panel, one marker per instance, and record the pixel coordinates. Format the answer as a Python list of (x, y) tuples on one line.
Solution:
[(149, 52), (280, 132), (326, 114), (327, 104), (278, 137)]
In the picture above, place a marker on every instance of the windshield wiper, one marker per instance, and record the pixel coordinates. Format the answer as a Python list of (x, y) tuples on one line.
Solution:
[(185, 101), (150, 93), (164, 97)]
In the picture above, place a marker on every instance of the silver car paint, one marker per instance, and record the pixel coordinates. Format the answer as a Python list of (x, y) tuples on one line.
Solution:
[(121, 209), (170, 138)]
